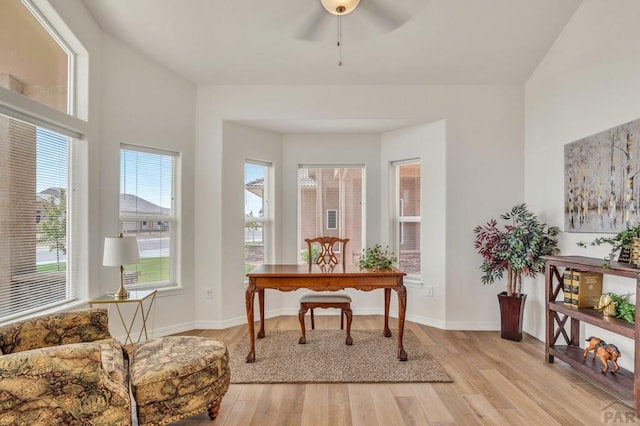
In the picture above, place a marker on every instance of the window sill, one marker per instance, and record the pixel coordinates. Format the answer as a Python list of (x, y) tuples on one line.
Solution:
[(173, 290), (170, 291), (163, 290)]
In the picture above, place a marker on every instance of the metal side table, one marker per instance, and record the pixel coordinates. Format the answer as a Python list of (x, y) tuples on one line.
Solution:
[(139, 298)]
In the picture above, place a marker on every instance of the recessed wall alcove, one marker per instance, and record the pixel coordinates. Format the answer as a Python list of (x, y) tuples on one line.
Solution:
[(375, 143)]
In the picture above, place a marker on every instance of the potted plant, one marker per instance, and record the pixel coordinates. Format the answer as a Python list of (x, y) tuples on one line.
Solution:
[(515, 247), (622, 241), (375, 258)]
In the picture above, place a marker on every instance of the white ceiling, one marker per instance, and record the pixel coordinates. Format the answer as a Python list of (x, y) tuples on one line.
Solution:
[(293, 42), (259, 41)]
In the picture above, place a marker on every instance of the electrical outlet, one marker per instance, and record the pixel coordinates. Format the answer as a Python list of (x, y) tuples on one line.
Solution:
[(209, 293), (429, 290)]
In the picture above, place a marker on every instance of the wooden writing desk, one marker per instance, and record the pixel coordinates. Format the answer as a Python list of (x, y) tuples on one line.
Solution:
[(315, 277)]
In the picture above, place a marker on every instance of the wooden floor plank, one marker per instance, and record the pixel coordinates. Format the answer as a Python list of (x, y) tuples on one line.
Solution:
[(292, 404), (315, 410), (241, 413), (410, 411), (339, 405), (434, 409), (518, 398), (270, 405), (485, 411), (462, 414), (387, 411), (361, 404)]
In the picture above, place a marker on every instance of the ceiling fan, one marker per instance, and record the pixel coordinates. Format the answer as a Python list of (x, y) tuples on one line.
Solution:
[(366, 19), (315, 20)]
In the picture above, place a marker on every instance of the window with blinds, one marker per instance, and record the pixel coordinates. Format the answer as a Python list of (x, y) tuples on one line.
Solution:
[(148, 212), (34, 193), (37, 267), (408, 216), (331, 205)]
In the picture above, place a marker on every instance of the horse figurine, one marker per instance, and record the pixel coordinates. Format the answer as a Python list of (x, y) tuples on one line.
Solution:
[(609, 353), (604, 351), (594, 344)]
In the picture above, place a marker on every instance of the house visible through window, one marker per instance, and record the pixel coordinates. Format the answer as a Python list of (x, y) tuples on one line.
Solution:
[(148, 211), (33, 221), (331, 204), (36, 62), (407, 216), (37, 267), (257, 221)]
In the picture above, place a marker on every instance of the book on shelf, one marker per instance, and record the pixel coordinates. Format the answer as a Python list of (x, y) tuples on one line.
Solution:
[(586, 289), (567, 278)]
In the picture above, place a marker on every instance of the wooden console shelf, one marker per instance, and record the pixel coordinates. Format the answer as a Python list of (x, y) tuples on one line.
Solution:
[(624, 384)]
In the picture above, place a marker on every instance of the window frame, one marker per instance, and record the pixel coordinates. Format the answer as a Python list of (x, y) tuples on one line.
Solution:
[(363, 216), (21, 108), (398, 218), (71, 56), (175, 228), (268, 212)]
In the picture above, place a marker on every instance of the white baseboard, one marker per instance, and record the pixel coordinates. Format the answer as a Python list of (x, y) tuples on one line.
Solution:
[(472, 326), (154, 332), (443, 325), (242, 320)]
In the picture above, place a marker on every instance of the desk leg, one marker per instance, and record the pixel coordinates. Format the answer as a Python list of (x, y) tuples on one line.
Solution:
[(402, 309), (251, 289), (261, 333), (387, 301)]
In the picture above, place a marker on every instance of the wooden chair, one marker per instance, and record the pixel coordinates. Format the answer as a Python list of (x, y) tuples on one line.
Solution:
[(312, 300)]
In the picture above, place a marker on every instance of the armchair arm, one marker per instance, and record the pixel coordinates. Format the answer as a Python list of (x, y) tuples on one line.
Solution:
[(86, 325), (64, 385)]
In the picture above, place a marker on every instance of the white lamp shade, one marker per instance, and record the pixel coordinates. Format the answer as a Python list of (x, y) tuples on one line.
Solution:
[(120, 251), (333, 5)]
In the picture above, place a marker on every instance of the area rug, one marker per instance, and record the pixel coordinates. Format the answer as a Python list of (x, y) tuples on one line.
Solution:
[(325, 358)]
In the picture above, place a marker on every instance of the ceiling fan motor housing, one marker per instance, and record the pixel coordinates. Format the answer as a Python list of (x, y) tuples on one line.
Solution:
[(340, 7)]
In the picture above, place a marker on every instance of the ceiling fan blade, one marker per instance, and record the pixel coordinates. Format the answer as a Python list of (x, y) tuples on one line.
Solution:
[(312, 27), (387, 17)]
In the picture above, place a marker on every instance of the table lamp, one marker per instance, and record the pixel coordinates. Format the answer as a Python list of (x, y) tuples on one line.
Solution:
[(120, 251)]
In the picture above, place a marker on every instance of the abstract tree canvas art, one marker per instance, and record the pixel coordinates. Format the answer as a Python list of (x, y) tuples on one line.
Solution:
[(602, 181)]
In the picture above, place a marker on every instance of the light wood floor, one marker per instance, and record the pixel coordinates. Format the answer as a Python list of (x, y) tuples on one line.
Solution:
[(495, 382)]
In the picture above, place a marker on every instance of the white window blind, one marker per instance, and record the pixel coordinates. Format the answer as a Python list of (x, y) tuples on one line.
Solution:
[(408, 216), (147, 211), (38, 134), (34, 195)]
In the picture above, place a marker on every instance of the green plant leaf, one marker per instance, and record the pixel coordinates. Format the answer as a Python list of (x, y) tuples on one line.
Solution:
[(376, 258), (516, 246)]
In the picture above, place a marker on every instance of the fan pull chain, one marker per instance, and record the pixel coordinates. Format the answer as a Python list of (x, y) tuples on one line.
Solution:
[(339, 40)]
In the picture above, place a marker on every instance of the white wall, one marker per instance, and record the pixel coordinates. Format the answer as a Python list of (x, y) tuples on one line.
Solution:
[(143, 104), (427, 142), (240, 144), (484, 160), (588, 82), (132, 100)]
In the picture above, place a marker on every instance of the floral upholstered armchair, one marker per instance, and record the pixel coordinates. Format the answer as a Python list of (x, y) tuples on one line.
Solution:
[(63, 368)]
